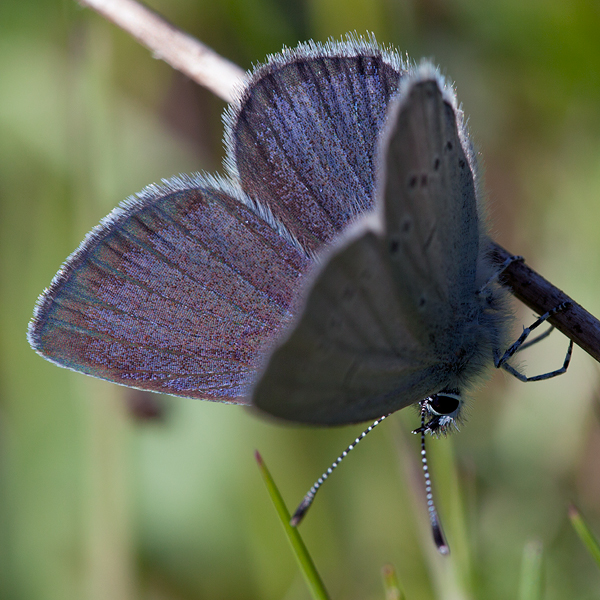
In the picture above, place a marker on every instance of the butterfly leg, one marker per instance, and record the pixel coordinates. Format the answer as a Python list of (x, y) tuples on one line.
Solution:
[(536, 339), (501, 361), (509, 261)]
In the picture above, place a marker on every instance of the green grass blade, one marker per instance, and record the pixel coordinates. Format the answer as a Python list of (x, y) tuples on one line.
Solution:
[(391, 584), (305, 562), (531, 572), (590, 541)]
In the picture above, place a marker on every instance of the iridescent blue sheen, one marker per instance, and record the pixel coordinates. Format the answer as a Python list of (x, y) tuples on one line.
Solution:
[(305, 139), (186, 287)]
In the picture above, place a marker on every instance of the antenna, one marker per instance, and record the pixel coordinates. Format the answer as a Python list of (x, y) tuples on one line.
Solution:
[(436, 526), (310, 496)]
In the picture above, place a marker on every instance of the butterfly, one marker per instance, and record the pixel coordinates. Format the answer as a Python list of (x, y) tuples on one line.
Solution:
[(338, 272)]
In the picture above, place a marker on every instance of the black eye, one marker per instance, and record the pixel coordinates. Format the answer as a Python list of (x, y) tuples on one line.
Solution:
[(443, 404)]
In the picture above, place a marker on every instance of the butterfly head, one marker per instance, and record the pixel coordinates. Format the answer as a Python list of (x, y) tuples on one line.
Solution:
[(441, 411)]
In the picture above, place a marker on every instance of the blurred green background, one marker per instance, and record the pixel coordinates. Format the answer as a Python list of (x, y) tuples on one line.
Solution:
[(96, 503)]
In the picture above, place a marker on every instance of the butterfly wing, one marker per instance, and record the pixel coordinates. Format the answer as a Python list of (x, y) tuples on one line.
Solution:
[(303, 136), (430, 204), (184, 289), (353, 354), (180, 291), (364, 345)]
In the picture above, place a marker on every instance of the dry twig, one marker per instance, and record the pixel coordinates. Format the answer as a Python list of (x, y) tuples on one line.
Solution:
[(182, 51)]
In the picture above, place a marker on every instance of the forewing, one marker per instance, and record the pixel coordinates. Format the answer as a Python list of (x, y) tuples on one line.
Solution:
[(430, 206), (180, 290), (303, 137), (354, 354)]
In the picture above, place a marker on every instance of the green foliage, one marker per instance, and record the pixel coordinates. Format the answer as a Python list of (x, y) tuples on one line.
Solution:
[(590, 541), (305, 562), (95, 504)]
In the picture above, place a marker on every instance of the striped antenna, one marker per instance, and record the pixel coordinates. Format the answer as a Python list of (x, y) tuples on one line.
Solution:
[(436, 527), (310, 496)]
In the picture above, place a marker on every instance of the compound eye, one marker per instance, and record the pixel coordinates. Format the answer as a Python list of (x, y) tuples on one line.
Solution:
[(444, 404)]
